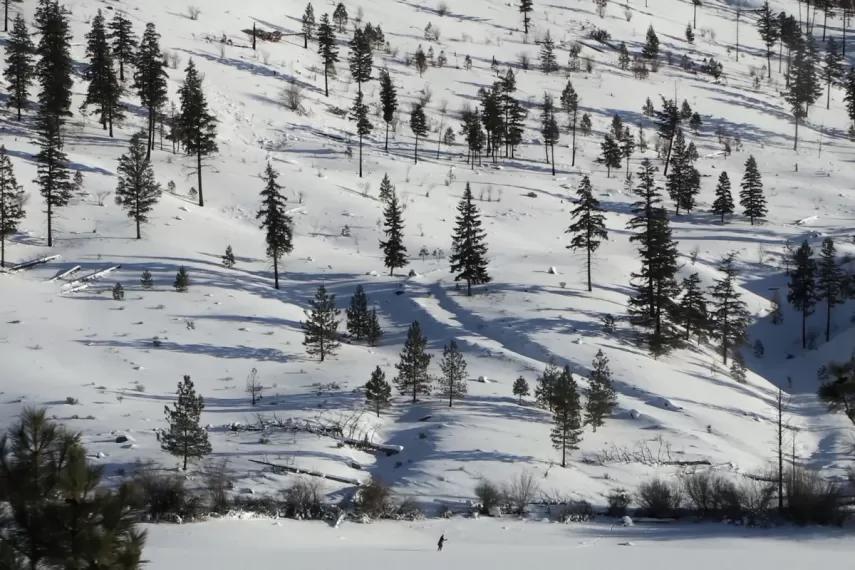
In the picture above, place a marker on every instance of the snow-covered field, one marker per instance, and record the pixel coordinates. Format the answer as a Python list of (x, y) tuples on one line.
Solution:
[(84, 345)]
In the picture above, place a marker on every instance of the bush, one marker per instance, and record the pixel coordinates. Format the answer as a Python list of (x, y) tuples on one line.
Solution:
[(524, 60), (489, 495), (442, 8), (619, 501), (264, 505), (659, 499), (811, 498), (71, 401), (293, 97), (374, 499), (599, 35), (576, 511), (303, 499), (408, 509), (521, 491), (712, 495), (167, 498), (218, 482), (193, 12)]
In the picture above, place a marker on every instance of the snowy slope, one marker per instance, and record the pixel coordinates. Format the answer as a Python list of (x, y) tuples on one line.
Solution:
[(684, 407)]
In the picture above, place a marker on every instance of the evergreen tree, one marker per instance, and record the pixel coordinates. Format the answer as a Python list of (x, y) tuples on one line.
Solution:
[(849, 96), (648, 110), (278, 224), (419, 126), (137, 191), (683, 180), (585, 125), (730, 315), (668, 122), (54, 176), (55, 64), (118, 292), (328, 49), (549, 128), (469, 251), (651, 46), (413, 377), (321, 325), (182, 280), (548, 62), (737, 368), (309, 22), (833, 69), (361, 58), (186, 438), (566, 415), (57, 513), (124, 42), (775, 312), (654, 284), (11, 203), (723, 204), (601, 395), (452, 383), (388, 101), (198, 125), (394, 252), (150, 79), (340, 17), (803, 88), (769, 30), (420, 60), (695, 123), (19, 70), (104, 91), (685, 111), (610, 154), (359, 114), (520, 388), (229, 257), (690, 35), (373, 332), (829, 282), (627, 146), (588, 228), (570, 105), (802, 293), (693, 308), (544, 389), (623, 57), (751, 197), (526, 8), (378, 392), (386, 189), (617, 127), (146, 281), (357, 315)]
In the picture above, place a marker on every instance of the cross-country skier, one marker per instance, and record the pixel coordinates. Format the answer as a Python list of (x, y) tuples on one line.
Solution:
[(439, 544)]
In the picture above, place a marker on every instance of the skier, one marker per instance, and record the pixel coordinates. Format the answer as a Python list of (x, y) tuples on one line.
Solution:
[(442, 540)]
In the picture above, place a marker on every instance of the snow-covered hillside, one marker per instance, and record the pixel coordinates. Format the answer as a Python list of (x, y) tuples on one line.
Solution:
[(683, 407)]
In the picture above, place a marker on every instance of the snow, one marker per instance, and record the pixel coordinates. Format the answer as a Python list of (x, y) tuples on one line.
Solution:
[(681, 407)]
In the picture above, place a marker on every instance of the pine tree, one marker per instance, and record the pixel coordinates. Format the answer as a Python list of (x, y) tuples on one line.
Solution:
[(278, 224), (520, 388), (775, 312), (803, 88), (420, 60), (829, 282), (198, 126), (146, 281), (104, 91), (452, 383), (321, 325), (186, 438), (751, 197), (374, 332), (548, 62), (124, 42), (627, 146), (182, 280), (849, 96), (118, 292), (651, 46), (19, 70), (655, 286), (668, 122), (601, 397), (683, 180), (328, 49), (361, 58), (566, 415), (549, 127), (693, 308), (413, 377), (737, 368), (54, 176), (394, 252), (690, 35), (309, 22), (418, 124), (526, 8), (589, 228), (388, 101), (610, 154), (55, 65), (570, 105), (469, 251), (729, 313), (623, 57), (723, 204), (150, 79), (340, 17), (229, 257), (833, 69), (359, 114), (378, 392), (769, 30), (544, 389), (695, 123), (357, 315), (585, 125), (802, 293), (137, 191), (685, 111), (386, 189), (11, 203)]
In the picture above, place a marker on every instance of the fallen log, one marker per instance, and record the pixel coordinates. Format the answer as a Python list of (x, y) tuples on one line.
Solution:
[(32, 263), (363, 445), (64, 274), (298, 471), (83, 282)]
